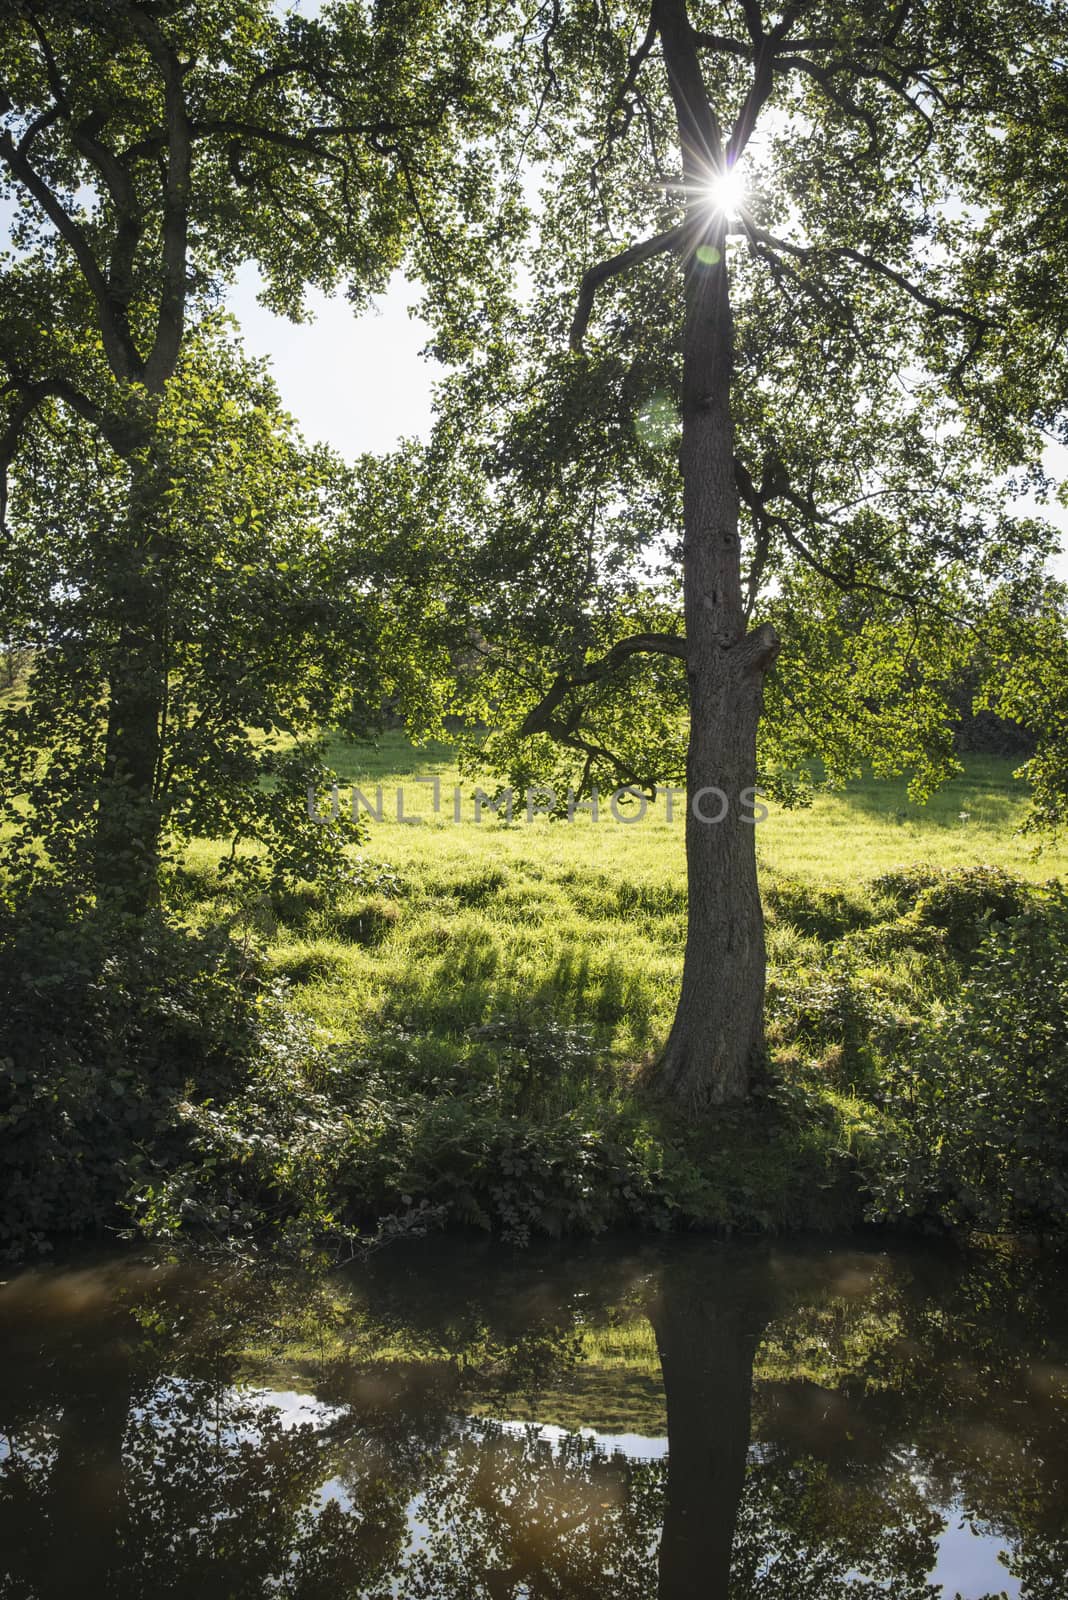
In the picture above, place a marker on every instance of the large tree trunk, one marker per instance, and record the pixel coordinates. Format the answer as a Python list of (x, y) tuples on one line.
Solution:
[(127, 846), (707, 1327), (717, 1032)]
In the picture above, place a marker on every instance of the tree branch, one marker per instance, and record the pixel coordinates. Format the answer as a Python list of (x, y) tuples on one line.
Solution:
[(871, 264), (32, 397), (699, 132), (307, 141), (665, 644), (726, 46), (36, 127), (634, 66), (759, 92), (595, 276), (122, 355), (823, 76), (846, 582), (171, 317)]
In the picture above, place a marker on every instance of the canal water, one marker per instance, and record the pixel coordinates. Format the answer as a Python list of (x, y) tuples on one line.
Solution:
[(449, 1421)]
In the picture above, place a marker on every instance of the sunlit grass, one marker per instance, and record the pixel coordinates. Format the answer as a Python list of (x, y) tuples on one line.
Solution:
[(585, 922)]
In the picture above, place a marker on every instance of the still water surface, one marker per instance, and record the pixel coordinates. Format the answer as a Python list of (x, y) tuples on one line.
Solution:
[(452, 1422)]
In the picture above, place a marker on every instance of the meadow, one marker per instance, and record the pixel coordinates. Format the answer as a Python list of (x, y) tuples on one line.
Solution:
[(458, 1034), (585, 921), (484, 997)]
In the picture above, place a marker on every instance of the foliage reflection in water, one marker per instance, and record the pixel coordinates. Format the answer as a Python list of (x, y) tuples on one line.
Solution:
[(690, 1420)]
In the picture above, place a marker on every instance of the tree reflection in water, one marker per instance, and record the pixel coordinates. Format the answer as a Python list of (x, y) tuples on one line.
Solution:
[(827, 1414)]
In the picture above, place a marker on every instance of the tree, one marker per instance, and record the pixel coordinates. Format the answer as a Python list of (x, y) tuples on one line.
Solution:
[(1027, 680), (292, 601), (780, 438), (149, 149)]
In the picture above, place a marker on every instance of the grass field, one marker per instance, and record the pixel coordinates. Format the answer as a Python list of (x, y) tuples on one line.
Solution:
[(585, 921), (490, 993)]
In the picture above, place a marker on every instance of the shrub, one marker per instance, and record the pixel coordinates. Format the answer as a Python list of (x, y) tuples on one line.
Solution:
[(823, 911), (904, 885), (836, 1006), (102, 1027), (265, 1158), (979, 1099)]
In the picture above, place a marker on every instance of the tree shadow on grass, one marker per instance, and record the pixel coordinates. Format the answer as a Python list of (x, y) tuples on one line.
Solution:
[(987, 793), (474, 980)]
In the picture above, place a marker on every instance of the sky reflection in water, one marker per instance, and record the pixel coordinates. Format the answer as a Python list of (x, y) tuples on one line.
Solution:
[(690, 1419)]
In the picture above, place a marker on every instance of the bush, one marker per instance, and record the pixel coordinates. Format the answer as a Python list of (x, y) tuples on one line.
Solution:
[(957, 904), (267, 1158), (824, 912), (979, 1099), (510, 1175), (836, 1006), (102, 1028)]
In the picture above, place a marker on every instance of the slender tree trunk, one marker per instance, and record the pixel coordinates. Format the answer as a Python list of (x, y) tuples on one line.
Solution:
[(718, 1031), (127, 846)]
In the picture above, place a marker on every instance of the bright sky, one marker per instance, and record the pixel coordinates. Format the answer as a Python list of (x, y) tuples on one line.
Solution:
[(357, 383)]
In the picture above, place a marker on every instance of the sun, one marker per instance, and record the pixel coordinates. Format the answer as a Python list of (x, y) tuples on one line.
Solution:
[(726, 192)]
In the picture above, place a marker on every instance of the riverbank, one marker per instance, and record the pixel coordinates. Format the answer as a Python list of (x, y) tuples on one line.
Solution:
[(491, 993), (458, 1036)]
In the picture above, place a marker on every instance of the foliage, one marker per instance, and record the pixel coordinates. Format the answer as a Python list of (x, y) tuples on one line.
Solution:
[(103, 1028), (170, 565), (294, 600), (247, 532), (715, 528), (978, 1099), (1028, 671), (957, 904), (882, 230), (459, 1037), (491, 1013)]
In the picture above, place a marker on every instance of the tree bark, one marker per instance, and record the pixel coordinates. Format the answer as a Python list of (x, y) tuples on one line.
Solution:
[(127, 844), (707, 1331), (718, 1029)]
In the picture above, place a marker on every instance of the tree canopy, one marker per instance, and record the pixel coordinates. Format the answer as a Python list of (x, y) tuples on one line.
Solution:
[(166, 525)]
